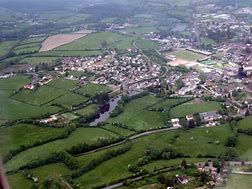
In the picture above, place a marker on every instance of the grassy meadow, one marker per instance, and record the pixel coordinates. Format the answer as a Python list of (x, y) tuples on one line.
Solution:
[(192, 108), (116, 168), (25, 134), (95, 40), (11, 109), (81, 135), (91, 89), (6, 46)]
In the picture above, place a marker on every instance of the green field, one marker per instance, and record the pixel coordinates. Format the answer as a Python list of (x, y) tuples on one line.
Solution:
[(141, 30), (50, 170), (6, 46), (29, 45), (69, 116), (207, 41), (66, 53), (87, 111), (12, 109), (32, 40), (81, 135), (191, 108), (137, 115), (64, 84), (245, 150), (91, 89), (24, 134), (95, 40), (20, 50), (70, 99), (116, 168), (238, 182), (12, 84), (39, 60), (109, 20), (166, 163), (147, 44), (77, 18), (42, 95), (119, 130), (187, 55), (245, 123), (17, 180)]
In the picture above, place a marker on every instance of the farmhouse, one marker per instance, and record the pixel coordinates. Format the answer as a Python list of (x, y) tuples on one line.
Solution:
[(29, 86), (189, 117), (182, 179), (210, 116), (51, 119), (6, 76), (175, 123), (248, 69)]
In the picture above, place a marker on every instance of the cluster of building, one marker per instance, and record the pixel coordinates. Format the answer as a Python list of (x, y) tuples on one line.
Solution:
[(130, 71), (7, 76), (218, 174), (36, 82), (210, 118), (171, 42)]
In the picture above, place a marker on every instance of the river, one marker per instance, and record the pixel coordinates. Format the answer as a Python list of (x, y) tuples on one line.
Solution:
[(112, 105)]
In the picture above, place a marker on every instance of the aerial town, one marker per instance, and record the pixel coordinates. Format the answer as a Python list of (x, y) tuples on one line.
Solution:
[(144, 94)]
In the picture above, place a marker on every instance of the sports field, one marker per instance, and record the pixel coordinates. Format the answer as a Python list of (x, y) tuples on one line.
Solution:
[(187, 55)]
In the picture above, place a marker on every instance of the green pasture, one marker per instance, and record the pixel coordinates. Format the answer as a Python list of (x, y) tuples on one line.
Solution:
[(147, 44), (192, 108), (40, 96), (119, 130), (94, 41), (81, 135), (6, 46), (69, 99), (12, 109), (64, 84), (246, 123), (87, 111), (39, 60), (91, 89), (117, 168), (236, 181), (25, 134)]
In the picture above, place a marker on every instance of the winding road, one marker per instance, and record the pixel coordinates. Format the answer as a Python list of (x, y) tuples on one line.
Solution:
[(133, 137)]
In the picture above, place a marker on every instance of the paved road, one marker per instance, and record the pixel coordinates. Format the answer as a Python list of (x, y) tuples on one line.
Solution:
[(151, 132), (129, 139), (139, 178), (242, 173)]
